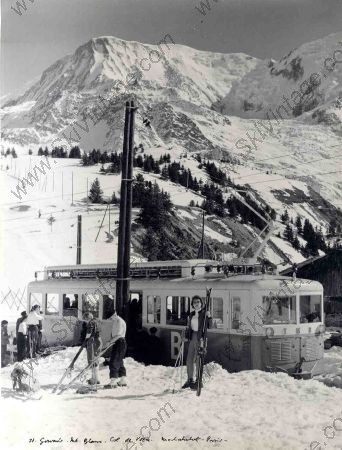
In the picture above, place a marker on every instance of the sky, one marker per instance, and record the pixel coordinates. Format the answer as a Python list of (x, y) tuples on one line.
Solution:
[(50, 29)]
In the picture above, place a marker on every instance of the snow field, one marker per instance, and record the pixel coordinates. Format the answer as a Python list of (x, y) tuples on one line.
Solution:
[(246, 410)]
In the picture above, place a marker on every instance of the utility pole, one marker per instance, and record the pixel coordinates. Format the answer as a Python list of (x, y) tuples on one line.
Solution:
[(200, 253), (79, 240), (124, 238), (109, 218), (122, 217), (87, 196), (72, 188), (127, 247)]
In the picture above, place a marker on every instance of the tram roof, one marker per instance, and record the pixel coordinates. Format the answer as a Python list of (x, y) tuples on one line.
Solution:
[(277, 282)]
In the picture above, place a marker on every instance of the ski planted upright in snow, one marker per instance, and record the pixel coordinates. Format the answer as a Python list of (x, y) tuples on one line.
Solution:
[(70, 367), (88, 366), (202, 346)]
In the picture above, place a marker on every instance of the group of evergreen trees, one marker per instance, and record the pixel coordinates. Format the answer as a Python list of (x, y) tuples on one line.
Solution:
[(235, 207), (313, 236), (59, 152), (8, 152)]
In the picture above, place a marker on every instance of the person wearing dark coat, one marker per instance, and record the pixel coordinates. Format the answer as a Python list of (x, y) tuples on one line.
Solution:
[(154, 348), (22, 337), (4, 342), (193, 334)]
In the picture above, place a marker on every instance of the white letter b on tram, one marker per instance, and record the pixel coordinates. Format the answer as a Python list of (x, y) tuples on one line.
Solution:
[(176, 342)]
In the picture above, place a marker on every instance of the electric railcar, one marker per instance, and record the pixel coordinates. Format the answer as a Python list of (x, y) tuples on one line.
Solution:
[(260, 320)]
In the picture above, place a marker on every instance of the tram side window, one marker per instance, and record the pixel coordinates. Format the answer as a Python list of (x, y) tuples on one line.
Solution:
[(279, 309), (70, 305), (310, 308), (108, 306), (36, 299), (91, 303), (177, 310), (236, 313), (153, 308), (217, 312), (52, 304)]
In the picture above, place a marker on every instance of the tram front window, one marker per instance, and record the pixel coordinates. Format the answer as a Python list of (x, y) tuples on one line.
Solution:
[(177, 310), (108, 306), (36, 299), (70, 305), (91, 303), (279, 310), (52, 304), (217, 312), (310, 308), (153, 308)]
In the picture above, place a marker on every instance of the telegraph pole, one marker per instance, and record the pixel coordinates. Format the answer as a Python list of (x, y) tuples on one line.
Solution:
[(127, 248), (120, 301), (72, 188), (79, 239), (200, 253)]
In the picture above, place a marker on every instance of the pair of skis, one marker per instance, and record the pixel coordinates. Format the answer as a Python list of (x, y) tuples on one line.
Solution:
[(203, 343), (70, 367), (88, 366)]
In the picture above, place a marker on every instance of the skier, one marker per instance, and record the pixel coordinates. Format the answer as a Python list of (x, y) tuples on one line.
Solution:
[(117, 370), (22, 337), (94, 344), (33, 319), (192, 334)]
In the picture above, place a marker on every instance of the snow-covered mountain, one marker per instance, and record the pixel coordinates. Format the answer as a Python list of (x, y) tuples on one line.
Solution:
[(307, 81), (292, 163), (101, 73)]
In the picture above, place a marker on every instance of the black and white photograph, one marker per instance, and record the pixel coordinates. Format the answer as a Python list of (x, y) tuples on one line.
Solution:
[(171, 224)]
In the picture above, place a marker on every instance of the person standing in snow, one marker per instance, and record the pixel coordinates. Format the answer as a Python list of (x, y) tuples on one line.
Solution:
[(4, 342), (117, 370), (22, 337), (94, 345), (33, 319), (194, 334)]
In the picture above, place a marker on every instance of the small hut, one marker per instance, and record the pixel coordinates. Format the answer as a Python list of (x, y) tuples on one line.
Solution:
[(327, 270)]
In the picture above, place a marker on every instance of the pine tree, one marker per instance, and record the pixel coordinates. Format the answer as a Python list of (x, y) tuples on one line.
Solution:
[(85, 159), (165, 173), (114, 200), (288, 233), (75, 152), (285, 217), (95, 193), (296, 243), (299, 225)]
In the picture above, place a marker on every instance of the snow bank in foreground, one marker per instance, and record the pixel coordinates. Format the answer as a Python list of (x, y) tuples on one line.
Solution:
[(247, 410)]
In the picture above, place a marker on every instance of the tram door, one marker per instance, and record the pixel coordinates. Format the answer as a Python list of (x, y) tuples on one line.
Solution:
[(239, 345), (135, 310)]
